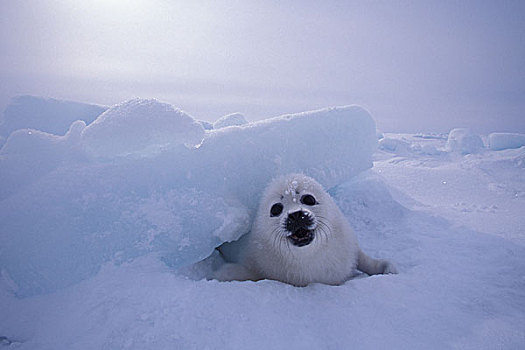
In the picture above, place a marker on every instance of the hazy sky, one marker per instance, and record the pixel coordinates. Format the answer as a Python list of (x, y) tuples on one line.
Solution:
[(416, 65)]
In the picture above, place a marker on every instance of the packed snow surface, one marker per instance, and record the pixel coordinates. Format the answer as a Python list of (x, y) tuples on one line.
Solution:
[(104, 253)]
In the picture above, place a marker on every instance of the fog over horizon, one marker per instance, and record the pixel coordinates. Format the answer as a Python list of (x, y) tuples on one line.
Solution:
[(416, 66)]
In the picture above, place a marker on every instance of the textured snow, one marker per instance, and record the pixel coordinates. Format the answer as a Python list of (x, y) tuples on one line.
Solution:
[(453, 224), (67, 212), (229, 120), (140, 127), (464, 141), (500, 141)]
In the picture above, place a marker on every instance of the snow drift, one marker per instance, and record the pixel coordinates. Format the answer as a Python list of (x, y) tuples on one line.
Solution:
[(229, 120), (95, 195), (500, 141), (45, 114), (464, 141), (142, 128)]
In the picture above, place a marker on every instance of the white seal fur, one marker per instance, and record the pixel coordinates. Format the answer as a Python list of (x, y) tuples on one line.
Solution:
[(300, 236)]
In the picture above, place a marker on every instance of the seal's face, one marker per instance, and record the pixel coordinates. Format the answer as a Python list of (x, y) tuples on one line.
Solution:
[(294, 211)]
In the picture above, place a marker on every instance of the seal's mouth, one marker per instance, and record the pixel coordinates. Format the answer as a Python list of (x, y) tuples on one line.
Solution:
[(301, 237)]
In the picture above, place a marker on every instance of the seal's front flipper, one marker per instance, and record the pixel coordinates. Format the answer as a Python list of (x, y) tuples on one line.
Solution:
[(234, 272), (375, 266)]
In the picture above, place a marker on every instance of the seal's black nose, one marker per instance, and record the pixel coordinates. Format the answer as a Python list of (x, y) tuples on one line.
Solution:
[(297, 220)]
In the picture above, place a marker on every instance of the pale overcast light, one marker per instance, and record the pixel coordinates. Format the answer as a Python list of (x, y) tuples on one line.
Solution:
[(415, 65)]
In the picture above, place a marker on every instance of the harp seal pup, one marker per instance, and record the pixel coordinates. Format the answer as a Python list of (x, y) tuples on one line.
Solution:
[(299, 236)]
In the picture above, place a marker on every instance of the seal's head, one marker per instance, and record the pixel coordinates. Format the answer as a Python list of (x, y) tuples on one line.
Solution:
[(294, 210)]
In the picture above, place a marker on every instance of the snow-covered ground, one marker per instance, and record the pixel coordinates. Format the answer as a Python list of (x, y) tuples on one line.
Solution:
[(98, 248)]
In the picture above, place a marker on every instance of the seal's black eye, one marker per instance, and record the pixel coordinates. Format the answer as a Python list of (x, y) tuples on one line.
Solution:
[(308, 199), (276, 209)]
